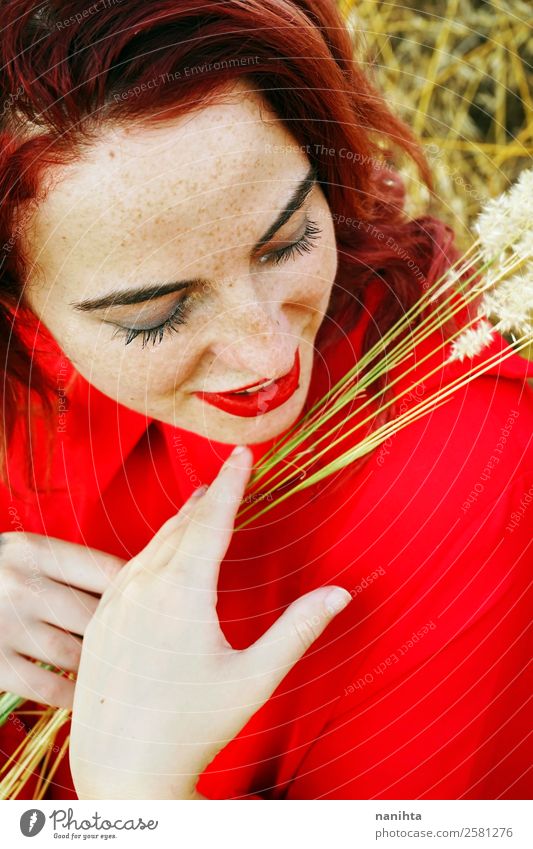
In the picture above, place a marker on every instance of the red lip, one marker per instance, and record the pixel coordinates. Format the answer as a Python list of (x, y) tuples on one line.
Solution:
[(258, 402)]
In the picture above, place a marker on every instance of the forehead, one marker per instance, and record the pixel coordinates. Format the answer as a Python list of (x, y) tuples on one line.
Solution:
[(197, 175)]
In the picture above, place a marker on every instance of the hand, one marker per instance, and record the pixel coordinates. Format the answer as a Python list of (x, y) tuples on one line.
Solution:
[(46, 602), (160, 690)]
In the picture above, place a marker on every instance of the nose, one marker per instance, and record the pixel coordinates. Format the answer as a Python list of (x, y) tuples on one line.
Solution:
[(256, 339)]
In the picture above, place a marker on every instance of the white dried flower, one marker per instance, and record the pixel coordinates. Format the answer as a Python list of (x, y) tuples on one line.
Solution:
[(471, 341), (505, 223), (510, 303)]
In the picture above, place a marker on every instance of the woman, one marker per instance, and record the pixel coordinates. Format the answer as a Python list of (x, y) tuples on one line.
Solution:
[(195, 205)]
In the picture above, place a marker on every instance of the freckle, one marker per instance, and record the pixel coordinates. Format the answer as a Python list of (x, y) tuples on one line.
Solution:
[(111, 154), (102, 701)]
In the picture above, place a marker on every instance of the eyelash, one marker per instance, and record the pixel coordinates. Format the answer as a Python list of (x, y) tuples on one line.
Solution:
[(155, 334)]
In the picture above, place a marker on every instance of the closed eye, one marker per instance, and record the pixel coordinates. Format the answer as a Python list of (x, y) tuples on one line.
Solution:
[(155, 334), (302, 245)]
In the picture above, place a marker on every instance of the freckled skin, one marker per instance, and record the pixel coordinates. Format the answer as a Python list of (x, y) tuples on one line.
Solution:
[(188, 199)]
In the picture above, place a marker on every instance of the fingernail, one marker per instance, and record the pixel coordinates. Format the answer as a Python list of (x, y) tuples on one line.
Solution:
[(336, 600), (237, 456), (200, 491)]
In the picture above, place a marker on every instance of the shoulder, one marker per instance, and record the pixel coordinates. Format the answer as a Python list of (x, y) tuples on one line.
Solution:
[(476, 435), (488, 418), (441, 493)]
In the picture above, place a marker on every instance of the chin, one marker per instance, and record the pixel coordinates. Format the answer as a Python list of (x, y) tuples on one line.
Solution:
[(271, 424)]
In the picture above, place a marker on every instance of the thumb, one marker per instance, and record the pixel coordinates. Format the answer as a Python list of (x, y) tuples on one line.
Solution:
[(276, 652)]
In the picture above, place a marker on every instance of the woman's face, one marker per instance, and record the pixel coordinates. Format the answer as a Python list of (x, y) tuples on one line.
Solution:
[(198, 256)]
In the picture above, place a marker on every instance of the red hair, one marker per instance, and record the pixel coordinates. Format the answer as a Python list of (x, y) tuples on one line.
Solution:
[(70, 69)]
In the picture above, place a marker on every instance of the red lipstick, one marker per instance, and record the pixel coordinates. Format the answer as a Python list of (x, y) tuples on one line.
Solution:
[(259, 401)]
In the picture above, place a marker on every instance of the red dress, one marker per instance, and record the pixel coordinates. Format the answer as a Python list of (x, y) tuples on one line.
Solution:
[(418, 689)]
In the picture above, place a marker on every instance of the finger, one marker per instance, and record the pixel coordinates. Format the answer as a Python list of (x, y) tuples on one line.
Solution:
[(66, 607), (164, 543), (158, 551), (207, 534), (276, 652), (51, 645), (76, 565), (29, 681)]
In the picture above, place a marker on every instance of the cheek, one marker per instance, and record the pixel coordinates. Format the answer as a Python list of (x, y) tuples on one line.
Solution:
[(133, 374), (312, 279), (128, 378), (327, 263), (106, 363)]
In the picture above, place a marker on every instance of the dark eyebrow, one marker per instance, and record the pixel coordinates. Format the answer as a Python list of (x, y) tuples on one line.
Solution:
[(126, 297)]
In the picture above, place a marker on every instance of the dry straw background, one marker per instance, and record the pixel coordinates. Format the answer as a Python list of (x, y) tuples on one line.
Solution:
[(460, 73)]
